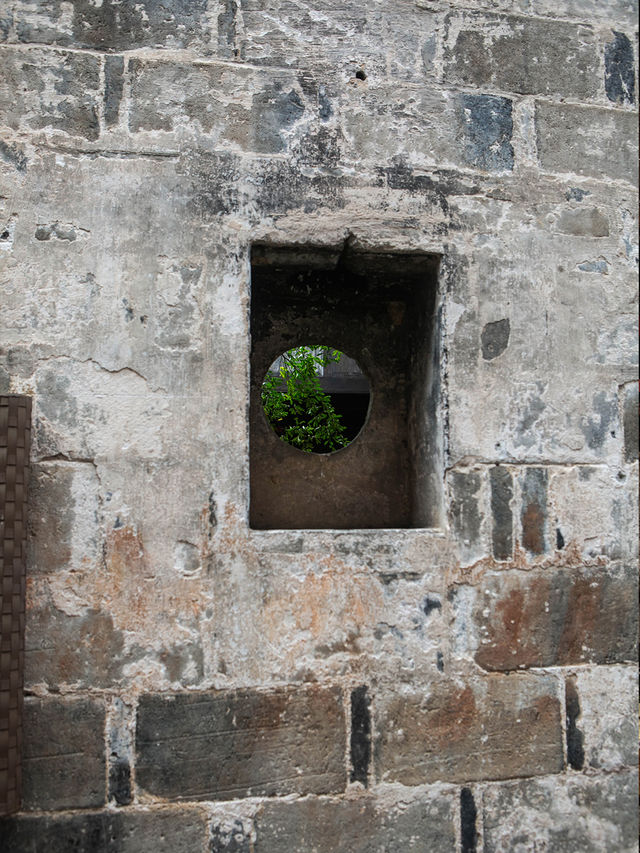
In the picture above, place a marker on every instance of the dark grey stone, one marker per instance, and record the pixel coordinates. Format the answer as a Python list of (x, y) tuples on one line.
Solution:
[(157, 830), (463, 508), (531, 58), (357, 826), (238, 744), (533, 515), (502, 515), (487, 126), (602, 423), (468, 822), (630, 421), (113, 25), (487, 728), (575, 737), (119, 751), (64, 754), (113, 87), (557, 618), (227, 29), (232, 837), (13, 154), (26, 101), (495, 338), (360, 735), (273, 111), (619, 71)]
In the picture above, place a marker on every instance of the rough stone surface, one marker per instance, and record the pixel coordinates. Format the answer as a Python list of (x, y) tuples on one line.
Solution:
[(64, 754), (607, 700), (156, 155), (631, 408), (51, 90), (536, 58), (567, 616), (183, 831), (493, 728), (502, 516), (596, 142), (361, 826), (594, 815), (619, 70), (110, 25), (207, 746)]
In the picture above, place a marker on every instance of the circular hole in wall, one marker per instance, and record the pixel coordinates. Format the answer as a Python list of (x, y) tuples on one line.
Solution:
[(360, 75), (316, 398)]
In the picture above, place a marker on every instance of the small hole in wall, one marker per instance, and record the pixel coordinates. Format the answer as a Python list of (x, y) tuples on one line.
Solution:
[(360, 75), (315, 398)]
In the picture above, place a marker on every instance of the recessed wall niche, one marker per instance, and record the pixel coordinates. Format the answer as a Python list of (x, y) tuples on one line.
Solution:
[(381, 309)]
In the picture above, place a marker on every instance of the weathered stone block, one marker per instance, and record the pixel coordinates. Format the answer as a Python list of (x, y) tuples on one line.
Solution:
[(595, 509), (235, 106), (63, 518), (529, 57), (555, 618), (169, 830), (607, 702), (487, 125), (113, 88), (465, 511), (240, 744), (586, 814), (533, 513), (84, 649), (64, 754), (419, 823), (429, 126), (111, 25), (52, 90), (630, 407), (623, 11), (619, 77), (493, 728), (501, 481), (587, 141)]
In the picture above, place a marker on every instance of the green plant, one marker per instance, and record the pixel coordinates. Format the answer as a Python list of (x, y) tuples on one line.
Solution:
[(296, 406)]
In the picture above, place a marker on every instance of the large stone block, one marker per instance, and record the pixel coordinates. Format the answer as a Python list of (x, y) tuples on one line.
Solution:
[(64, 517), (530, 57), (556, 617), (112, 25), (487, 126), (418, 823), (213, 746), (577, 814), (64, 754), (50, 90), (85, 649), (163, 830), (630, 421), (492, 728), (619, 75), (587, 141), (232, 106), (606, 700)]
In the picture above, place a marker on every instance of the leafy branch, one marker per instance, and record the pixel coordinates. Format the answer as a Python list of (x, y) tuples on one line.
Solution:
[(297, 408)]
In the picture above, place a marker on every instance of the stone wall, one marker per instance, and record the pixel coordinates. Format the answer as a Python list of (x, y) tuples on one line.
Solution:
[(194, 684)]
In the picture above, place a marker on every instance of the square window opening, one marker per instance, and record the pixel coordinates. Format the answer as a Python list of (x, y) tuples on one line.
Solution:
[(380, 311)]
